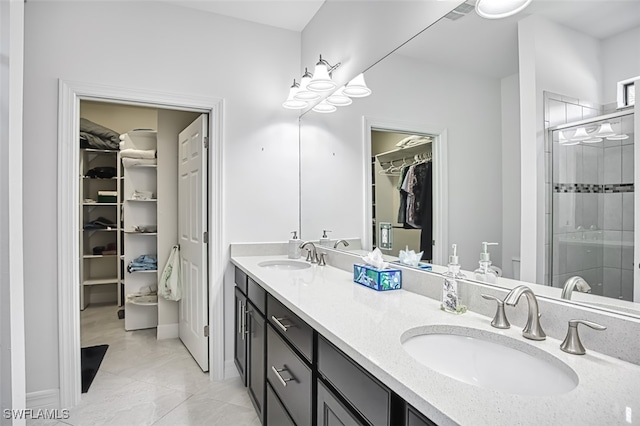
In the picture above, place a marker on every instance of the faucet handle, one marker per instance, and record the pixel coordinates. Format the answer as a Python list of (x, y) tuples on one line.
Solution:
[(572, 343), (500, 319), (309, 257), (322, 261)]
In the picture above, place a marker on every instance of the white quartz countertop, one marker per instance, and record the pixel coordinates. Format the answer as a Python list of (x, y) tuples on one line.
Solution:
[(368, 326)]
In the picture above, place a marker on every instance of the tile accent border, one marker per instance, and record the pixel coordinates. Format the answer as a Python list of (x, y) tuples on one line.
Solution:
[(588, 188)]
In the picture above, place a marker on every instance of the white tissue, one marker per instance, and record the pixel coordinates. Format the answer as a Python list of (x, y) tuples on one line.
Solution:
[(375, 259), (410, 257)]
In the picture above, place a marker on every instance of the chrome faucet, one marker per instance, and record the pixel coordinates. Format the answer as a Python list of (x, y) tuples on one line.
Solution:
[(574, 283), (345, 242), (312, 255), (533, 329)]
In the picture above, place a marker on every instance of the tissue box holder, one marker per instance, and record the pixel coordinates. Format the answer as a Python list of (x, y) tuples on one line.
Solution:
[(377, 279)]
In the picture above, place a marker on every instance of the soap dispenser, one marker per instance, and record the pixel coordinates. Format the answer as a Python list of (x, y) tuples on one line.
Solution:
[(451, 300), (294, 246), (324, 240), (485, 272)]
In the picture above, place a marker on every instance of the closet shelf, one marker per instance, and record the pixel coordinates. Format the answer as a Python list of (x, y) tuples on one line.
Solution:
[(99, 256), (140, 233), (100, 281), (115, 178), (399, 153), (99, 204), (149, 271), (152, 200), (100, 151)]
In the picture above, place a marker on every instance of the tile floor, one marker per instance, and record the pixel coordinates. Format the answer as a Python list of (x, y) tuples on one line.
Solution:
[(145, 381)]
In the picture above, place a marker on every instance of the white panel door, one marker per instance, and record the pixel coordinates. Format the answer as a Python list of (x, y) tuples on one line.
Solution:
[(192, 225)]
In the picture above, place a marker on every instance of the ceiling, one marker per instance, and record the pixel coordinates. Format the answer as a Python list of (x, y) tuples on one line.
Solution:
[(291, 15), (490, 47)]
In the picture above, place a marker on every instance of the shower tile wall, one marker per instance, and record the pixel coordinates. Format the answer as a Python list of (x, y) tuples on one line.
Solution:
[(592, 196)]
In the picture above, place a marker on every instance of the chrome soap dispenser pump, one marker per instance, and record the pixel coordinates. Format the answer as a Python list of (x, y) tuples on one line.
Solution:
[(485, 272), (451, 300)]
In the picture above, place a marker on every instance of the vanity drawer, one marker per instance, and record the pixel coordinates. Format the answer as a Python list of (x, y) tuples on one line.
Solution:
[(414, 418), (241, 280), (276, 414), (257, 295), (366, 394), (289, 377), (296, 331)]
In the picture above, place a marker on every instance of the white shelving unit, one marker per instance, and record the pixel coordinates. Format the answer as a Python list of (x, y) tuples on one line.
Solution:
[(97, 269), (139, 314)]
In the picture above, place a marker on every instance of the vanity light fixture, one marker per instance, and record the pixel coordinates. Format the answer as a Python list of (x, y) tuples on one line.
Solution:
[(321, 81), (605, 130), (303, 93), (357, 88), (580, 135), (291, 102), (338, 98), (324, 107), (497, 9)]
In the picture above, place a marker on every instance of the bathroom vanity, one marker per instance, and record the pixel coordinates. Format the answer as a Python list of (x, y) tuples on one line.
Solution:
[(316, 348)]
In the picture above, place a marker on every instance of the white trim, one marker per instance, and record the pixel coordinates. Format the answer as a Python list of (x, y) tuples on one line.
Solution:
[(440, 180), (168, 331), (46, 399), (70, 94), (230, 370)]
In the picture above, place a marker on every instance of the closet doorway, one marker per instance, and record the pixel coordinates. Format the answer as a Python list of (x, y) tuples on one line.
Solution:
[(405, 199), (187, 137)]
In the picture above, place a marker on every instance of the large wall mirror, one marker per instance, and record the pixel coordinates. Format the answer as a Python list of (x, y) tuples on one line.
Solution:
[(494, 101)]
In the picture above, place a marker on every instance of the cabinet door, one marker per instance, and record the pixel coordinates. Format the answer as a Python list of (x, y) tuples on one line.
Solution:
[(276, 414), (256, 343), (414, 418), (240, 350), (331, 412)]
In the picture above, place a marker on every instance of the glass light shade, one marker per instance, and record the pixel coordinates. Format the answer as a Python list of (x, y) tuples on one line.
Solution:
[(593, 140), (321, 81), (338, 98), (605, 130), (291, 102), (324, 107), (617, 137), (304, 94), (496, 9), (580, 135), (357, 88), (561, 138)]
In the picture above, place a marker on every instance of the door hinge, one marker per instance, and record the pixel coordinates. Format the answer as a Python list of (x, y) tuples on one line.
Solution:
[(206, 142), (206, 331), (205, 237)]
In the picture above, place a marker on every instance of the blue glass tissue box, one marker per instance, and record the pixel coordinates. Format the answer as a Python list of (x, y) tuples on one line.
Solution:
[(377, 279)]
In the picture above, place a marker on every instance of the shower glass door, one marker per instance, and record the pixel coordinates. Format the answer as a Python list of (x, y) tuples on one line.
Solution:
[(593, 204)]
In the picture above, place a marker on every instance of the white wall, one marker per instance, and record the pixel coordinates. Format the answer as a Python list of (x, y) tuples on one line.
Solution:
[(468, 106), (560, 60), (12, 345), (510, 104), (621, 61), (160, 47), (349, 32)]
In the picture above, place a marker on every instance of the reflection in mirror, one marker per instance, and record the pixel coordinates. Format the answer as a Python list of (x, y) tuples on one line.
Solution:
[(494, 88)]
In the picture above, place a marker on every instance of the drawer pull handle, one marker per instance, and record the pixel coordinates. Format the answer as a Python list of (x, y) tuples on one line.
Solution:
[(243, 329), (283, 327), (277, 373)]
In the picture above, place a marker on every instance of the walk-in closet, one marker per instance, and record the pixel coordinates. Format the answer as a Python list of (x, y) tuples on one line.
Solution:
[(402, 192), (130, 157)]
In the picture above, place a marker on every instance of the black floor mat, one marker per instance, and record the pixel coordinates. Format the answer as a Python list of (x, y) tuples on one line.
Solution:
[(90, 360)]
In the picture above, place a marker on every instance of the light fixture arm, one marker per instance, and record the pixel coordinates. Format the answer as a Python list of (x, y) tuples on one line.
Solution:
[(330, 68)]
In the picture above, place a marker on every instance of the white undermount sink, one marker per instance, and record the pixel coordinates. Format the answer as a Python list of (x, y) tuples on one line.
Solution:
[(286, 265), (489, 360)]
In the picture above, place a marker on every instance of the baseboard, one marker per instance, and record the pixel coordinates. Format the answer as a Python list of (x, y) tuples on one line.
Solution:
[(168, 331), (230, 369), (46, 399)]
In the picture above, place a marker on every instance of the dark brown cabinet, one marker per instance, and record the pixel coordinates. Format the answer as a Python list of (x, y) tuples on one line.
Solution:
[(256, 344), (240, 344), (295, 376)]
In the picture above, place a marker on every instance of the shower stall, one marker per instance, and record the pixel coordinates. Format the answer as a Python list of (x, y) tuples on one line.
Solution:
[(592, 203)]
